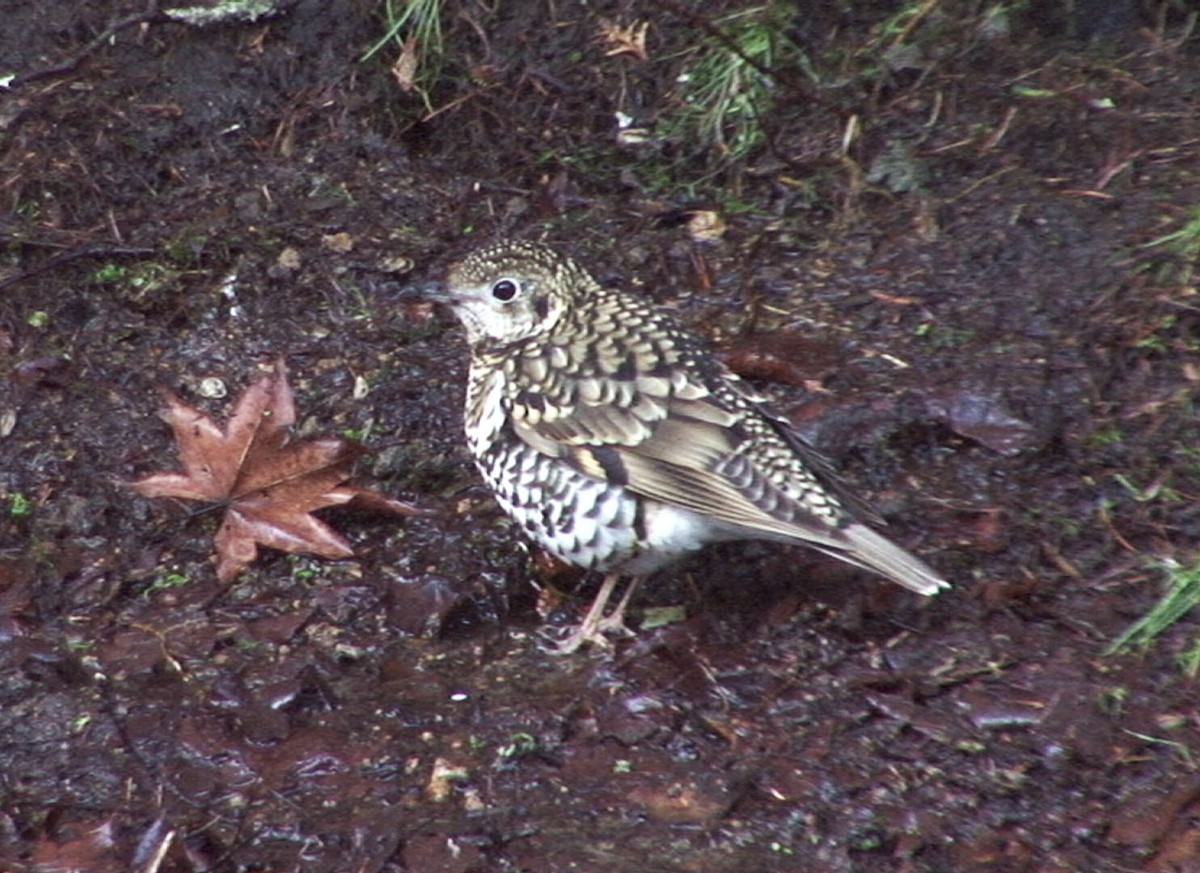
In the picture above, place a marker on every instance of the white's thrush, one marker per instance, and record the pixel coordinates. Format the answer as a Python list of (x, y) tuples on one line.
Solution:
[(619, 443)]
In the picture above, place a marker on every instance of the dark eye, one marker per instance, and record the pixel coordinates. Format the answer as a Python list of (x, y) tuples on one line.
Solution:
[(504, 290)]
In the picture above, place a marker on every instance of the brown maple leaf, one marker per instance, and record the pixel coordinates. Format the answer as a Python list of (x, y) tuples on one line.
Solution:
[(267, 483)]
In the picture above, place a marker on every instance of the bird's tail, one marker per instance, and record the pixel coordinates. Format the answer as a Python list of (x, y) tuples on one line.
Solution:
[(873, 551)]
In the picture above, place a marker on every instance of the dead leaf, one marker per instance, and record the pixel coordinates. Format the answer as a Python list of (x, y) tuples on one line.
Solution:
[(982, 417), (705, 225), (338, 242), (684, 802), (406, 66), (784, 356), (289, 259), (268, 484), (83, 848), (629, 40)]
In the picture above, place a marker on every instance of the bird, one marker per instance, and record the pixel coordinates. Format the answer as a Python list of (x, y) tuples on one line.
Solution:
[(619, 442)]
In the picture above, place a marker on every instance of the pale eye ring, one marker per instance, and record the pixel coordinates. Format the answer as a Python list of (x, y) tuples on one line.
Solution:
[(505, 290)]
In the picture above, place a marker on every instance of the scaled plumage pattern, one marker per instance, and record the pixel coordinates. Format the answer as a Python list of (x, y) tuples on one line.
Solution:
[(619, 443)]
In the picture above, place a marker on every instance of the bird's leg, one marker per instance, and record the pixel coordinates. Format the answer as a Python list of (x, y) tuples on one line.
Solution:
[(595, 624), (615, 620)]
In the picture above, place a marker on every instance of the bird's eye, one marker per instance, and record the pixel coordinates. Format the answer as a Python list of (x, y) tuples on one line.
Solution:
[(504, 290)]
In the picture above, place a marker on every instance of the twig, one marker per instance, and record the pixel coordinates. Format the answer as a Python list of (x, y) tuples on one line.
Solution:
[(91, 251), (151, 13)]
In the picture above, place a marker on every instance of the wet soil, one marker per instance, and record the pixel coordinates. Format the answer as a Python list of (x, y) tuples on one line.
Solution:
[(945, 260)]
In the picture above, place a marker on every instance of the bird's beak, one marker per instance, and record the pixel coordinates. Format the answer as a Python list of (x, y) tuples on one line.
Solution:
[(435, 292)]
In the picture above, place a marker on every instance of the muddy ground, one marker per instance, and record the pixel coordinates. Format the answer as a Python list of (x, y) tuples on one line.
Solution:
[(959, 259)]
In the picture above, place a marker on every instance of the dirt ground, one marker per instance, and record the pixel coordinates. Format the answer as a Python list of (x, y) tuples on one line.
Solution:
[(958, 257)]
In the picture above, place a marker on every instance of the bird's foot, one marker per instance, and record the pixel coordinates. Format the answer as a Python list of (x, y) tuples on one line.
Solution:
[(596, 624)]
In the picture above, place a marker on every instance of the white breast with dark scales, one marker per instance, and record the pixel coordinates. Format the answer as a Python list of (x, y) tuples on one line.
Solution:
[(582, 520)]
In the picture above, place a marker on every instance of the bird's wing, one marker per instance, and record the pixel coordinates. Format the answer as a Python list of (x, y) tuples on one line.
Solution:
[(723, 457), (674, 442)]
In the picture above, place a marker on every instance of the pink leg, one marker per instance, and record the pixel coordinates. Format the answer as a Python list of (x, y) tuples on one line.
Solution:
[(595, 624)]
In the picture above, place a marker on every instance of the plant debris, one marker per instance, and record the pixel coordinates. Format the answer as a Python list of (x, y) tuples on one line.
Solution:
[(624, 40), (268, 484)]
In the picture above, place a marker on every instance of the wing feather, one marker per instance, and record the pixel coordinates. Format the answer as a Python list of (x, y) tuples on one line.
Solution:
[(674, 441)]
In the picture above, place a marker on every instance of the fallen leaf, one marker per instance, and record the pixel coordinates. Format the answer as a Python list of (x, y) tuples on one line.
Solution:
[(406, 66), (338, 242), (982, 417), (683, 803), (92, 848), (784, 356), (629, 40), (268, 484), (705, 225), (289, 259)]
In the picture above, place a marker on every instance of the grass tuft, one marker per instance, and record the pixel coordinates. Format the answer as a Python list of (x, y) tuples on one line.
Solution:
[(724, 93), (1181, 596), (414, 28)]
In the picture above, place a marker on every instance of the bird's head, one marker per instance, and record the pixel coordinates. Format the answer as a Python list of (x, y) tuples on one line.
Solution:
[(511, 291)]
